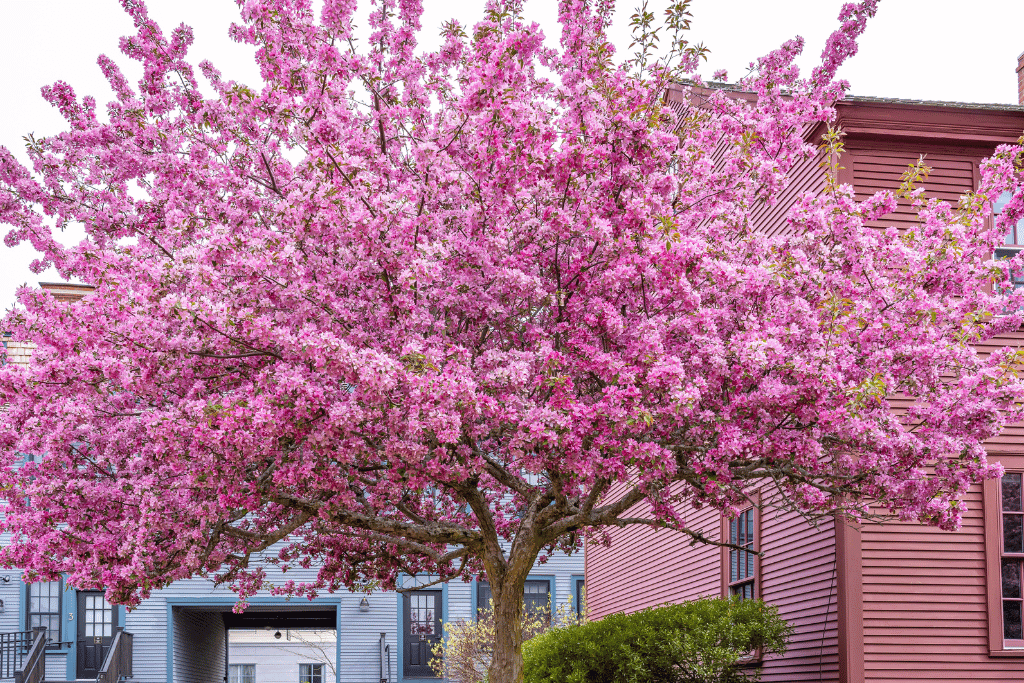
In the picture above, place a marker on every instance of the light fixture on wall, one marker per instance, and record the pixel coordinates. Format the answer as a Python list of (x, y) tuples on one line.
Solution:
[(1, 606), (364, 605), (278, 635)]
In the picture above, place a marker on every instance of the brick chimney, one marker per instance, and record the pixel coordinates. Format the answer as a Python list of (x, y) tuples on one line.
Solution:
[(1020, 79)]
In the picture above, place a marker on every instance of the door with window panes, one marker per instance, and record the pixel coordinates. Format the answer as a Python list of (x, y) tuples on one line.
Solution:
[(422, 631), (95, 632)]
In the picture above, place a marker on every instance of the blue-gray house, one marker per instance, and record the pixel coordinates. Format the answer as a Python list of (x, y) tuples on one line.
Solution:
[(180, 634)]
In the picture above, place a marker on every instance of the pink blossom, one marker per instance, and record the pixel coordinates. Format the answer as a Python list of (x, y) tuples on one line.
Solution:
[(388, 311)]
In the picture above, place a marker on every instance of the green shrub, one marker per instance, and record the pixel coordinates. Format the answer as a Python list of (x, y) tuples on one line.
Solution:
[(706, 641)]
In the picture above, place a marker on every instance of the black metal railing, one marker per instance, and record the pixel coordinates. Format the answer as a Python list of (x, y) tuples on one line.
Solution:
[(118, 663), (33, 665), (13, 648), (385, 659)]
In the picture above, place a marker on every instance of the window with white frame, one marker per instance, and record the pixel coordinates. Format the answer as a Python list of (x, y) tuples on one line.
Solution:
[(43, 609), (1013, 241), (242, 673), (311, 673)]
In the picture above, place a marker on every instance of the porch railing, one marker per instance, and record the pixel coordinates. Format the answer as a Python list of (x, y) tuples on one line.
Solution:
[(118, 663), (13, 648), (33, 665), (385, 659)]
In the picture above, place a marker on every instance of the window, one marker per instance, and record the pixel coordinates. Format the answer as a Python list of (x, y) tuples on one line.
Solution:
[(579, 596), (43, 609), (1004, 557), (1015, 237), (311, 673), (1011, 560), (422, 614), (1014, 240), (742, 564), (536, 596), (242, 673)]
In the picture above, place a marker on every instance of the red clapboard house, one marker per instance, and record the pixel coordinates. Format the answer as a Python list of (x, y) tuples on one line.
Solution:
[(893, 602)]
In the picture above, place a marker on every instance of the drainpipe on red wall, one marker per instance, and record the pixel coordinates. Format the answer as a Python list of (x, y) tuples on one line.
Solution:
[(1020, 79)]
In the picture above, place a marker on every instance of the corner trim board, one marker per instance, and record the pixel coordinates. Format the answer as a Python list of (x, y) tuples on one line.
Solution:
[(850, 601)]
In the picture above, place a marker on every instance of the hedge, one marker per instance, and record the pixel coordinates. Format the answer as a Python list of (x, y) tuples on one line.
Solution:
[(705, 641)]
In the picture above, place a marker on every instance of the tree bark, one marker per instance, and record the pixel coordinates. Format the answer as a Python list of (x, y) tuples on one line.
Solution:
[(507, 658)]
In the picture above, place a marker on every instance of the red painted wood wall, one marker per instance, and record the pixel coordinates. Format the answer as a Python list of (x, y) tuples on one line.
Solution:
[(886, 603)]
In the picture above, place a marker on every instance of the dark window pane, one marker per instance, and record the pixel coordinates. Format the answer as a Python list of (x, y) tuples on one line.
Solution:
[(1011, 620), (483, 596), (1013, 534), (1011, 482), (734, 565), (536, 596), (744, 591), (733, 535), (1011, 578), (421, 614), (749, 541), (1013, 236)]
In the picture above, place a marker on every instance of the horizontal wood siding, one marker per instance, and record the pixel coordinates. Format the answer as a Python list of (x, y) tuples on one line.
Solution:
[(56, 666), (925, 613), (798, 574), (642, 567), (200, 646), (148, 625), (359, 635), (1011, 438), (877, 170), (805, 176)]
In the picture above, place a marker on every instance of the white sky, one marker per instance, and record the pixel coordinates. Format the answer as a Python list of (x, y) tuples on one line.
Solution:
[(939, 50)]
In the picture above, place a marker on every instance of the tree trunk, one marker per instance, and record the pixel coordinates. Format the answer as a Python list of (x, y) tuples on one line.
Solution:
[(507, 658)]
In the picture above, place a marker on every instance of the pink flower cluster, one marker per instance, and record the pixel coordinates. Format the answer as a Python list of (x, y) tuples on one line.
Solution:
[(401, 312)]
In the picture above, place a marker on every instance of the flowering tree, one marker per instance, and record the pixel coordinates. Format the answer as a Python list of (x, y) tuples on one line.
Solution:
[(450, 312)]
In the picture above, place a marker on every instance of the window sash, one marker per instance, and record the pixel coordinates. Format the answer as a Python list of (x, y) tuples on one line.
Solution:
[(43, 608), (1015, 236), (1011, 559), (1013, 241), (741, 569), (536, 595), (311, 673), (242, 673)]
